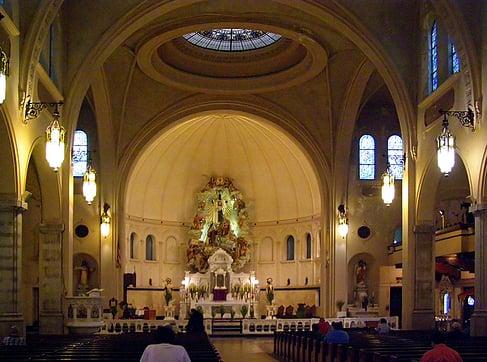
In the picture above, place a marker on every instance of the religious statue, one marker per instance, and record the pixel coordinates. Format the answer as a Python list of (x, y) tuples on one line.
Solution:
[(84, 275), (360, 273), (269, 291), (112, 303)]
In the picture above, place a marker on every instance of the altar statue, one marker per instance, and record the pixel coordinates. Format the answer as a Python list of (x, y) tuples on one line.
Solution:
[(360, 273)]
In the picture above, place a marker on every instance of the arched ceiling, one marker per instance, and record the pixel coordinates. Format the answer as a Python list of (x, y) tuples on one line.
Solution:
[(273, 173)]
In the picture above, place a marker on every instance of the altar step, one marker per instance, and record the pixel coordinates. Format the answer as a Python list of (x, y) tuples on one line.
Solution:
[(226, 327)]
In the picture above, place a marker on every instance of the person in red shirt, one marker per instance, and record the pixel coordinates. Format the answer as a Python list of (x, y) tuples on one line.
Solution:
[(440, 352), (324, 326)]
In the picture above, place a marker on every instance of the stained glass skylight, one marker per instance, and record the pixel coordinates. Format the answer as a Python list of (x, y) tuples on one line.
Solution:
[(232, 40)]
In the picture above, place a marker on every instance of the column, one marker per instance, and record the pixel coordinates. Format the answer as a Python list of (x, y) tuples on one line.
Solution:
[(51, 288), (423, 316), (478, 326), (11, 263)]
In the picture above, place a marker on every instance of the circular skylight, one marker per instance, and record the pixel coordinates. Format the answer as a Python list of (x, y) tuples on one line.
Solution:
[(232, 40)]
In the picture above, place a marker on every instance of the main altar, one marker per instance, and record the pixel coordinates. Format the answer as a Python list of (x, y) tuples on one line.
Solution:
[(218, 251)]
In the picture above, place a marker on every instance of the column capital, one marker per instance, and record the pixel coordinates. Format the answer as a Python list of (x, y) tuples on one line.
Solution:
[(479, 209), (424, 229), (11, 202), (49, 228)]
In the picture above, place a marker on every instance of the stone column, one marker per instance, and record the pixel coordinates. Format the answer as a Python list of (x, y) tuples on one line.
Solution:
[(478, 325), (11, 263), (423, 316), (51, 289)]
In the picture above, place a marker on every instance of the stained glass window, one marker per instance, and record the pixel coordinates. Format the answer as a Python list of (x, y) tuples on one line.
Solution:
[(395, 156), (149, 248), (454, 59), (232, 40), (308, 246), (398, 236), (133, 246), (290, 248), (367, 157), (434, 56), (80, 153)]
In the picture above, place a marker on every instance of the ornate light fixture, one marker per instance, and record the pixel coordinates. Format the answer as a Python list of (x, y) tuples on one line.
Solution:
[(342, 221), (445, 142), (54, 132), (89, 184), (388, 189), (105, 221), (4, 65)]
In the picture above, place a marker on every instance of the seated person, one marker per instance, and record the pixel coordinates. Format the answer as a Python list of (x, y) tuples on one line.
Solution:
[(195, 329), (383, 327), (440, 352), (324, 326), (165, 350), (336, 335), (13, 338), (455, 332)]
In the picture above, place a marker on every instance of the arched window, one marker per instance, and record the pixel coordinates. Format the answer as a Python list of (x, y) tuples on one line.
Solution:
[(453, 59), (133, 246), (367, 157), (309, 242), (446, 303), (149, 248), (290, 248), (395, 156), (80, 153), (397, 236), (433, 56)]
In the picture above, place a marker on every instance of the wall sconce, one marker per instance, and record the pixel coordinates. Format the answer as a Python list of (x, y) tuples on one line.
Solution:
[(54, 132), (4, 72), (89, 183), (105, 221), (445, 142), (342, 221), (388, 189)]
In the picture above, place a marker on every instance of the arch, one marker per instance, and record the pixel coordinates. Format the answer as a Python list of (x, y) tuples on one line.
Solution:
[(172, 250), (395, 156), (133, 245), (266, 250), (290, 248), (150, 247), (79, 158), (309, 246), (8, 164), (367, 155), (428, 186), (340, 18), (49, 182)]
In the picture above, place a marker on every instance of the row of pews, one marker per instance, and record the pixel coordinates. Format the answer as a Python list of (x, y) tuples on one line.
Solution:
[(122, 347), (365, 347)]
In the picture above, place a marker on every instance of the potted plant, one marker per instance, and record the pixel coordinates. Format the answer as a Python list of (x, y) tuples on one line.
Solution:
[(244, 310), (200, 309), (252, 313), (339, 304), (222, 311), (213, 312), (232, 313)]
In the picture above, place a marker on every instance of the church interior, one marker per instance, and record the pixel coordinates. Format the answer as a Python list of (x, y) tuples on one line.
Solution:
[(268, 164)]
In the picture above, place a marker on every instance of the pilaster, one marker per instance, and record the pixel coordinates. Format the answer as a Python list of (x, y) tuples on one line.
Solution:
[(423, 305), (478, 325), (11, 209), (51, 289)]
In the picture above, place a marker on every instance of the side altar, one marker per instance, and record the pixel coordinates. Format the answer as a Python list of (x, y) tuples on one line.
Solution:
[(220, 290)]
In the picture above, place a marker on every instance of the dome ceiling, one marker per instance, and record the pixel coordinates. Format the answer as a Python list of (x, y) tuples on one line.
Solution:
[(270, 170)]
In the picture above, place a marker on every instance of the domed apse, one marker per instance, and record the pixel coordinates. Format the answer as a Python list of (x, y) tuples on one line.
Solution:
[(266, 165)]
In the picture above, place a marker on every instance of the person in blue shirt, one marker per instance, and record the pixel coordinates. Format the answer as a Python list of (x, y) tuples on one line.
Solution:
[(336, 335)]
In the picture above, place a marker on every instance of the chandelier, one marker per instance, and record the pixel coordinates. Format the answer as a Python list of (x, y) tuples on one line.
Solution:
[(89, 184), (388, 189)]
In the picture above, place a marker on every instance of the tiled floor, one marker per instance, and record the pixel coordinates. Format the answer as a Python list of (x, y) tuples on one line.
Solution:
[(245, 349)]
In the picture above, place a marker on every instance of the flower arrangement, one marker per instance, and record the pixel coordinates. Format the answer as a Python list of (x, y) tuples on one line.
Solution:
[(203, 291), (192, 289), (222, 311)]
